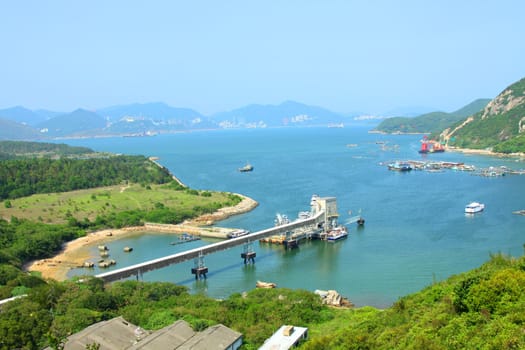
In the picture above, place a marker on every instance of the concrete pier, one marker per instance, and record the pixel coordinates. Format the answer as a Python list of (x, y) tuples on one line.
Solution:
[(324, 212)]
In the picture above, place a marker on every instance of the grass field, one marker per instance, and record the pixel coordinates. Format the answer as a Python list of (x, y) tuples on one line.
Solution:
[(54, 208)]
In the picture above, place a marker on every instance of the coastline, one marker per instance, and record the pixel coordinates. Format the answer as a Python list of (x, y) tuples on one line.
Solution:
[(76, 252), (485, 152)]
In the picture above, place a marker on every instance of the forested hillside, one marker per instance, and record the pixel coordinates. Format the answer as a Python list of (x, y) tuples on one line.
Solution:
[(429, 122), (23, 149), (24, 177), (500, 126), (480, 309)]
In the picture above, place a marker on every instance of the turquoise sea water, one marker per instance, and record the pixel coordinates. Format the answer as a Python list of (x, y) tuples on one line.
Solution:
[(415, 233)]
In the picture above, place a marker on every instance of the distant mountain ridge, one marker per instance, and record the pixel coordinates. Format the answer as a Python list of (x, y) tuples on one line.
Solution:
[(139, 119), (153, 111), (499, 127), (146, 119), (287, 113), (11, 130), (429, 122), (23, 115)]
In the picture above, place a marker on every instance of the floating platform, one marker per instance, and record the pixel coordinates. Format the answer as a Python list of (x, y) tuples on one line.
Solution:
[(249, 257), (199, 272)]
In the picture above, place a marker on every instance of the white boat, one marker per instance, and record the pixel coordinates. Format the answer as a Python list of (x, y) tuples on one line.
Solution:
[(337, 233), (238, 233), (474, 207), (246, 168)]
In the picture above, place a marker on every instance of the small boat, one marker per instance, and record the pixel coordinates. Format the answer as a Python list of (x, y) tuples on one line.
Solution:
[(337, 233), (399, 166), (238, 233), (474, 207), (246, 168), (336, 125)]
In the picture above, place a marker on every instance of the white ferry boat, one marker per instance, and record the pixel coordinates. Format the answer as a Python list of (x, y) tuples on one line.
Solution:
[(238, 233), (337, 233), (474, 207)]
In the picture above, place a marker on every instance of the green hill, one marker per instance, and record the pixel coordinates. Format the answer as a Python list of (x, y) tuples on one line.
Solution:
[(499, 127), (480, 309), (429, 122)]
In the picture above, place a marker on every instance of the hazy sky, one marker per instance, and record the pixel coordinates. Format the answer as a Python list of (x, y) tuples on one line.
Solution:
[(348, 56)]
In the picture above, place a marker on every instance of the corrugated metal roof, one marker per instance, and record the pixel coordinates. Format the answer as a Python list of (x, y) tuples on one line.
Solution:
[(119, 334)]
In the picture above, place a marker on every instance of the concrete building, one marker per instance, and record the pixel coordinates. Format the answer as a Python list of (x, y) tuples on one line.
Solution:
[(285, 338)]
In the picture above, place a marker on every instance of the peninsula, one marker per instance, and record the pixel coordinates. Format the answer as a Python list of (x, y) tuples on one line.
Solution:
[(76, 252)]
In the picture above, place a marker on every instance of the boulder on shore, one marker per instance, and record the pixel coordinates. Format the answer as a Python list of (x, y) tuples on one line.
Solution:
[(261, 284), (333, 298)]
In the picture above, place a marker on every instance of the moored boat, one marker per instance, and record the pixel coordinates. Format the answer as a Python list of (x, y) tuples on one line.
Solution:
[(337, 233), (246, 168), (430, 146), (474, 207), (399, 166), (238, 233)]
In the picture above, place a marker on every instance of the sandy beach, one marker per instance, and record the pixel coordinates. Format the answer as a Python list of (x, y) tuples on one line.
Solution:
[(485, 152), (76, 252)]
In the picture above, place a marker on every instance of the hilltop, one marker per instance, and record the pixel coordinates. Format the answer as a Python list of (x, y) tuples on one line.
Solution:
[(429, 122), (499, 127)]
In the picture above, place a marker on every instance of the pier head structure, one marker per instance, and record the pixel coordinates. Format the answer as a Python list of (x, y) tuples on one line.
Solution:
[(316, 223), (328, 206)]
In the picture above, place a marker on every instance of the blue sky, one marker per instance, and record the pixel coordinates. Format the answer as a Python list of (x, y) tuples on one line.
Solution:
[(347, 56)]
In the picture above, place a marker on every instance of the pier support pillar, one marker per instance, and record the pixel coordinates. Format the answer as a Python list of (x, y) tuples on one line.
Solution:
[(139, 276), (248, 254), (200, 270), (290, 242)]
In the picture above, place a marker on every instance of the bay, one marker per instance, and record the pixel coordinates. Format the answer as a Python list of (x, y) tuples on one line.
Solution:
[(415, 234)]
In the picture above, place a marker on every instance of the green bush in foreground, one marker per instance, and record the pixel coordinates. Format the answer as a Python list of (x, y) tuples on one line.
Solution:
[(480, 309)]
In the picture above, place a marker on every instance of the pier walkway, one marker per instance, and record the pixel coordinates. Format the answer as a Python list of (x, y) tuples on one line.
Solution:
[(316, 221)]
